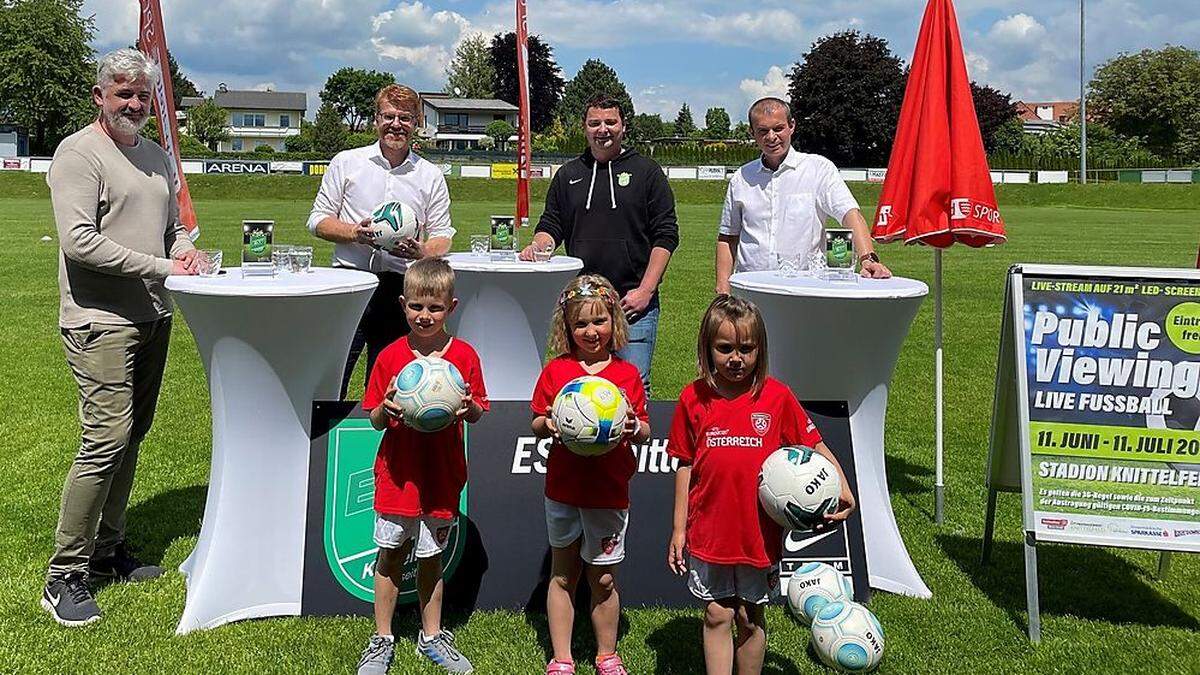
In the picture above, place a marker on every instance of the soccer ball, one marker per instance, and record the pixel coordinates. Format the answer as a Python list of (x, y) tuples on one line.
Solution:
[(847, 637), (429, 390), (797, 486), (391, 223), (814, 585), (590, 415)]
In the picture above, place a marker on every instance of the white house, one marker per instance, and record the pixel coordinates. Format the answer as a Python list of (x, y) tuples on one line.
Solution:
[(459, 123), (257, 117)]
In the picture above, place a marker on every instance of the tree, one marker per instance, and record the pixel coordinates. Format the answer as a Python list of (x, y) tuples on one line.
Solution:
[(742, 132), (993, 110), (684, 126), (500, 131), (470, 73), (1153, 95), (208, 123), (180, 85), (716, 123), (645, 127), (328, 133), (351, 92), (1009, 138), (46, 69), (594, 78), (545, 77), (846, 94)]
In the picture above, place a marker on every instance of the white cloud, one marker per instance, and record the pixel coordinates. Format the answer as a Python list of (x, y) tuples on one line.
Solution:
[(774, 83), (1018, 28)]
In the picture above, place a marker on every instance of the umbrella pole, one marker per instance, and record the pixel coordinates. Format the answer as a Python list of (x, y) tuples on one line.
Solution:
[(939, 485)]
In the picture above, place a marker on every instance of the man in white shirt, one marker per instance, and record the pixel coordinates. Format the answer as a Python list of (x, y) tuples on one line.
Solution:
[(777, 204), (361, 179)]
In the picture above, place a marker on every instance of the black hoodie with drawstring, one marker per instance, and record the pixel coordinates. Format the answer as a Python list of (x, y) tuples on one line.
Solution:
[(611, 214)]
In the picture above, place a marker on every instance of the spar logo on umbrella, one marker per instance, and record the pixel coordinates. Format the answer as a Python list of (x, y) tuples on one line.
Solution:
[(938, 187), (349, 526)]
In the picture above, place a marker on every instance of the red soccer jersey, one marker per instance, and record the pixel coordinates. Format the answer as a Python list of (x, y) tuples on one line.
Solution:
[(600, 482), (726, 442), (421, 474)]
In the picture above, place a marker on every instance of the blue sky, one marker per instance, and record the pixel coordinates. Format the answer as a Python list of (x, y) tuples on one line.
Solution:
[(702, 52)]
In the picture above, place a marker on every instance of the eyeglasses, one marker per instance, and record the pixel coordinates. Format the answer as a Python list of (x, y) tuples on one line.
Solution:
[(403, 118)]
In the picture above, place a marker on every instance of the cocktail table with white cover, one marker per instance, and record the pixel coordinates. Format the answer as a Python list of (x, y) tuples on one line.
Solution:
[(270, 346), (839, 341), (504, 313)]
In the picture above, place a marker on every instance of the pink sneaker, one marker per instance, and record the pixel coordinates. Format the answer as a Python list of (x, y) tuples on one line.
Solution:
[(556, 667), (610, 665)]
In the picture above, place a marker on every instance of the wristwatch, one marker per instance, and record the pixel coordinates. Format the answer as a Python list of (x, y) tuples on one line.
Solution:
[(872, 256)]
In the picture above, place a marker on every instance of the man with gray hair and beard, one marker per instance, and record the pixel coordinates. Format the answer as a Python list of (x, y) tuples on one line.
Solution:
[(113, 194)]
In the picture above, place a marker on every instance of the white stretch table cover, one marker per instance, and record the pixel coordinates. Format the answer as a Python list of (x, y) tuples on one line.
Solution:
[(504, 313), (270, 345), (839, 341)]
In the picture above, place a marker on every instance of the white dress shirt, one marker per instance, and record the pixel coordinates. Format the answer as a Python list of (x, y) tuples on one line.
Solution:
[(783, 211), (361, 179)]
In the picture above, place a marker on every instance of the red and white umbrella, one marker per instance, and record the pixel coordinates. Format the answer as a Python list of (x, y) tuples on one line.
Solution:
[(938, 188)]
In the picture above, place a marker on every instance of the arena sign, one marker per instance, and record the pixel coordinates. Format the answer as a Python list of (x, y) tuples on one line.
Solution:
[(1097, 409), (236, 166), (499, 556)]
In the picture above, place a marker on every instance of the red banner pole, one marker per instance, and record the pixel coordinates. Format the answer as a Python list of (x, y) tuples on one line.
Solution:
[(152, 41), (524, 149)]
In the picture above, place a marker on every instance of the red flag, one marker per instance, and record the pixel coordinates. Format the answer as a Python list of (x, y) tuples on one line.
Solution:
[(524, 151), (938, 188), (152, 41)]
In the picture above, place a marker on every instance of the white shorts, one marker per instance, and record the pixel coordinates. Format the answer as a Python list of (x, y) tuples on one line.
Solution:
[(710, 581), (603, 531), (430, 534)]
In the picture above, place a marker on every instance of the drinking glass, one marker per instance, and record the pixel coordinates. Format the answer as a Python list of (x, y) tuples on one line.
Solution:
[(210, 262), (301, 259), (543, 252), (481, 244), (281, 258)]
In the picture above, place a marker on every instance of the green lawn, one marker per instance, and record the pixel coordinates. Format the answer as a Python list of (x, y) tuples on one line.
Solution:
[(1103, 609)]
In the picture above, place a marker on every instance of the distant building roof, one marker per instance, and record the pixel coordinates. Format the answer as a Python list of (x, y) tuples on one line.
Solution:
[(1047, 111), (253, 100), (480, 104)]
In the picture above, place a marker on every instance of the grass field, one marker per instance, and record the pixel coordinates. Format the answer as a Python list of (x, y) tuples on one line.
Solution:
[(1103, 609)]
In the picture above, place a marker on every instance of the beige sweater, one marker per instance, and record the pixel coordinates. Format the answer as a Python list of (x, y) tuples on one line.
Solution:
[(118, 227)]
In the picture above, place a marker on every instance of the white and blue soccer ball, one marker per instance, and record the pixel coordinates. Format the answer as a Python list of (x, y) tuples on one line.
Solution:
[(392, 223), (797, 487), (590, 415), (429, 390), (814, 585), (846, 636)]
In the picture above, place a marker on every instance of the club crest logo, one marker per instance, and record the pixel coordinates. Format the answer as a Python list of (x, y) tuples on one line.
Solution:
[(623, 178), (761, 422), (885, 215), (609, 544), (960, 209)]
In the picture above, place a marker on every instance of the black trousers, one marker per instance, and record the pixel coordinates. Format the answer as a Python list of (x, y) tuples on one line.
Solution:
[(382, 324)]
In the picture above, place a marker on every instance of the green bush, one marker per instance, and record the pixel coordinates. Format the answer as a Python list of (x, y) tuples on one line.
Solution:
[(264, 149)]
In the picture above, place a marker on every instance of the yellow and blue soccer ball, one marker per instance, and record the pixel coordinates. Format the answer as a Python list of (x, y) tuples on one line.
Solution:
[(590, 415), (429, 390), (814, 585), (392, 223), (847, 637), (797, 486)]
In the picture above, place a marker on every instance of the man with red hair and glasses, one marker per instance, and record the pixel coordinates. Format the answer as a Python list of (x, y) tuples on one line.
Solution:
[(361, 179)]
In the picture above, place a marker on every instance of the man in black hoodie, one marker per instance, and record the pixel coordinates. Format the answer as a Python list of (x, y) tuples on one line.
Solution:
[(613, 208)]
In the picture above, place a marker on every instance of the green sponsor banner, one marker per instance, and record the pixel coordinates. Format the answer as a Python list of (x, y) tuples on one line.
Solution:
[(1115, 443), (350, 515)]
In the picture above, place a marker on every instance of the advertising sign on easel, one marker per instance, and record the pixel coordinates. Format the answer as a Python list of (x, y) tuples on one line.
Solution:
[(1096, 420)]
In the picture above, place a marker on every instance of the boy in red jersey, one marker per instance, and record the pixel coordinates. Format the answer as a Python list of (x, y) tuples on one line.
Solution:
[(418, 476)]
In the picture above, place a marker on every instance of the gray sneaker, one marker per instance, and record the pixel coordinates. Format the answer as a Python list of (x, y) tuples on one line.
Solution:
[(440, 649), (70, 601), (377, 657)]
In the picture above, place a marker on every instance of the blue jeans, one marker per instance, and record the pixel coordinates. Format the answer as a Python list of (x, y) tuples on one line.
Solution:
[(640, 349)]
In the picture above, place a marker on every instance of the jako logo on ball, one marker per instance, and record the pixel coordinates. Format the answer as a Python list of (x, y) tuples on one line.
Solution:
[(797, 487), (814, 585), (392, 223), (590, 415), (847, 637), (429, 390)]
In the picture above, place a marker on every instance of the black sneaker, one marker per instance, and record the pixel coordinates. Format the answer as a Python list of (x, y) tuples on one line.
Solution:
[(70, 601), (123, 566)]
